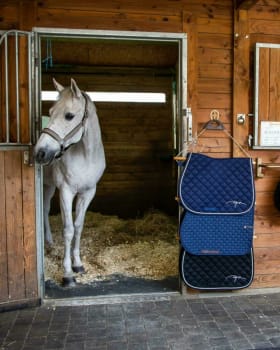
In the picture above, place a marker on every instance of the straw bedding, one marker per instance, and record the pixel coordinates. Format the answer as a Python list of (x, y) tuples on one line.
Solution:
[(145, 247)]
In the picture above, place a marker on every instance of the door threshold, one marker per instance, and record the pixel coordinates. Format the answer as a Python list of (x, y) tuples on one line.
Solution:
[(111, 299)]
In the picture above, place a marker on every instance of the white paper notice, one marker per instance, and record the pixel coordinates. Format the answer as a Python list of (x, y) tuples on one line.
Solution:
[(270, 133)]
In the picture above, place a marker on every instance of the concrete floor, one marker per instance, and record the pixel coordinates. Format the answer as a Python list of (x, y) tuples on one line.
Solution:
[(153, 323)]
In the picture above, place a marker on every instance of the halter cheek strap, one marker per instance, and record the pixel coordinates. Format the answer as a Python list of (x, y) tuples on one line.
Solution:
[(68, 136)]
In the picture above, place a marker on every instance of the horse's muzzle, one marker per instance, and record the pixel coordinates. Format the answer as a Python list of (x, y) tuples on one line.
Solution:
[(44, 156)]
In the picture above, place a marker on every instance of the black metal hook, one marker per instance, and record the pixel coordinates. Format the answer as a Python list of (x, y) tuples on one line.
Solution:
[(214, 124)]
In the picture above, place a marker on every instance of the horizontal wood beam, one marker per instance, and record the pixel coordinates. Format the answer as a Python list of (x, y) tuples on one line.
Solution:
[(245, 4), (107, 70)]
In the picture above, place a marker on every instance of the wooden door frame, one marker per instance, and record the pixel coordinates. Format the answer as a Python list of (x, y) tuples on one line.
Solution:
[(40, 32), (241, 80)]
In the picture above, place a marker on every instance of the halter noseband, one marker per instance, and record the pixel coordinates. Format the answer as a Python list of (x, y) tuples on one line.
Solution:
[(62, 140)]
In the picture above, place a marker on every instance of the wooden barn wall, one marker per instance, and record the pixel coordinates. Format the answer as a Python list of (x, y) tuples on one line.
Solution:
[(261, 23), (220, 67)]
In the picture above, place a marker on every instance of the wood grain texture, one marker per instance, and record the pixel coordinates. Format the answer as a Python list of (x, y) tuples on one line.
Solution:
[(15, 245), (72, 18), (220, 76), (241, 78), (29, 232), (4, 291)]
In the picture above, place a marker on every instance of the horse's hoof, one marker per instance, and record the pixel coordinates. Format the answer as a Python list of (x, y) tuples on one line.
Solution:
[(48, 246), (68, 282), (79, 269)]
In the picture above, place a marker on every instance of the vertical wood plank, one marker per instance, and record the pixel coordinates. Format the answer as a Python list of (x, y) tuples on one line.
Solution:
[(23, 90), (27, 14), (264, 83), (3, 234), (15, 247), (264, 87), (12, 88), (2, 95), (190, 27), (29, 239), (241, 80), (274, 101)]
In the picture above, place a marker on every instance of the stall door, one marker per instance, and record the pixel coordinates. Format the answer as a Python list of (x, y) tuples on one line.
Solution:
[(18, 265)]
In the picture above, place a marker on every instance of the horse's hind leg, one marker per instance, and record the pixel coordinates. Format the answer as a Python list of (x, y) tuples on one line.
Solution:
[(83, 201), (47, 196)]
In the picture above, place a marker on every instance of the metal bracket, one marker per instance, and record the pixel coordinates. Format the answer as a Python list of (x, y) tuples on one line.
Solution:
[(259, 168), (189, 123), (28, 156), (260, 165)]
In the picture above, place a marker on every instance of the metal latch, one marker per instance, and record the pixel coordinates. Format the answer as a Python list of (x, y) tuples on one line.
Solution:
[(28, 156), (241, 118), (189, 123)]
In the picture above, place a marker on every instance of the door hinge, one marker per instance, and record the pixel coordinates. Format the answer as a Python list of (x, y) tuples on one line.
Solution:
[(36, 61)]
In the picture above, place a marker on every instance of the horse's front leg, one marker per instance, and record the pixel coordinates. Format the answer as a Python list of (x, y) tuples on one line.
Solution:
[(66, 201), (83, 201), (47, 196)]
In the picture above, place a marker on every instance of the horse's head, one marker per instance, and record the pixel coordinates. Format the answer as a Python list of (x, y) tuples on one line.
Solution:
[(66, 125)]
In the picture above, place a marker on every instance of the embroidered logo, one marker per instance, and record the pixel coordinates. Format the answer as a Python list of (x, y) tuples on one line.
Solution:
[(236, 203), (212, 252), (235, 278)]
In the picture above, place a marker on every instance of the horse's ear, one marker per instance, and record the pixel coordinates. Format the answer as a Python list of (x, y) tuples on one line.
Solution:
[(75, 90), (58, 86)]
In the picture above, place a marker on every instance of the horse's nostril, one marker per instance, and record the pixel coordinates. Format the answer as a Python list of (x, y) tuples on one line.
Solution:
[(44, 155), (40, 156)]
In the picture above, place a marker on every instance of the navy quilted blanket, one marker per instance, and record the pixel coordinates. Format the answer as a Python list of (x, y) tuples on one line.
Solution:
[(217, 234), (218, 196), (217, 272), (217, 185)]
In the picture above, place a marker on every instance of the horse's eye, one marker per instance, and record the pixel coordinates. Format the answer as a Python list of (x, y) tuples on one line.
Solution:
[(69, 116)]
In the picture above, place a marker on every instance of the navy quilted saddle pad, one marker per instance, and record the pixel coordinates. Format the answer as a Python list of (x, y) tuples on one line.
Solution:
[(217, 272), (217, 234), (217, 185), (218, 196)]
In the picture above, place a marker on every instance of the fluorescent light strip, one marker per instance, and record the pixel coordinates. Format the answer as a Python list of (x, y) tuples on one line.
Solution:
[(145, 97)]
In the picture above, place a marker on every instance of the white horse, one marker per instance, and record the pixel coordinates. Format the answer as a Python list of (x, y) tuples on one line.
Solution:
[(71, 149)]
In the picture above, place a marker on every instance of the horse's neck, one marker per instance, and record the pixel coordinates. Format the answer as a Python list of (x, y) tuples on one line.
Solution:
[(91, 141)]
